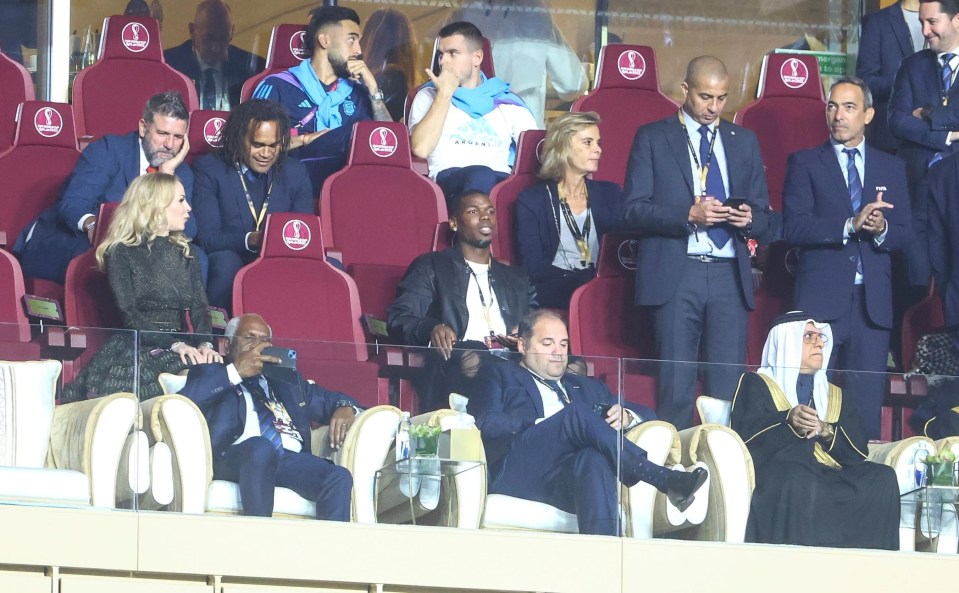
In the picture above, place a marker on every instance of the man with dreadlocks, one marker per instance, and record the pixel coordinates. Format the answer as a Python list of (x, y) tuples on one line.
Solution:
[(249, 177)]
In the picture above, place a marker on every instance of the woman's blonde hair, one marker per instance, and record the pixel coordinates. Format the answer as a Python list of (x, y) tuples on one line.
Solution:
[(141, 216), (559, 142)]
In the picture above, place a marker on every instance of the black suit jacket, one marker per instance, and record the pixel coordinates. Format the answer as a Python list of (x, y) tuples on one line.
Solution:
[(919, 84), (433, 291), (239, 66), (884, 43), (816, 205), (660, 190), (224, 406), (536, 231), (944, 234), (222, 213), (506, 402)]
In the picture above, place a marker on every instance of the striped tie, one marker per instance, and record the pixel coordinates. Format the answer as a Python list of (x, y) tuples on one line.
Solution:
[(264, 413), (855, 189)]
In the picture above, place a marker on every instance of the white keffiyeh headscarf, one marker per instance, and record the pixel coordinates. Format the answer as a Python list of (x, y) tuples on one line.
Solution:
[(782, 357)]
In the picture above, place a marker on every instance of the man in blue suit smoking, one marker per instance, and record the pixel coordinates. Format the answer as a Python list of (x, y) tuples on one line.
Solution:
[(554, 437)]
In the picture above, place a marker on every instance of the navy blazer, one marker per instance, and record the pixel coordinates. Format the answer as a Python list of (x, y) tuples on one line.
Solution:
[(884, 43), (222, 213), (240, 65), (919, 84), (659, 193), (536, 232), (224, 406), (506, 402), (944, 234), (816, 206), (102, 174)]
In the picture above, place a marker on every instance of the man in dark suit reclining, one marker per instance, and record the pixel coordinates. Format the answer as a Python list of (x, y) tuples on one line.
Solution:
[(260, 427), (553, 437)]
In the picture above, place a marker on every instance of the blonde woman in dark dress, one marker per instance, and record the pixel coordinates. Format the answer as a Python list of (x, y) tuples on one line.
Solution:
[(155, 280)]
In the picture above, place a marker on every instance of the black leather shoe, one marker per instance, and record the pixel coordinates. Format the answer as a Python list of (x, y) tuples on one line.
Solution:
[(682, 487)]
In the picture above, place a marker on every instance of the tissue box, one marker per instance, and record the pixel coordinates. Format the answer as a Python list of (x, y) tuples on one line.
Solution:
[(460, 444)]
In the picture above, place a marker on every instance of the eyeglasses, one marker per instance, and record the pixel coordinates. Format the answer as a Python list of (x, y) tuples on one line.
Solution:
[(813, 337)]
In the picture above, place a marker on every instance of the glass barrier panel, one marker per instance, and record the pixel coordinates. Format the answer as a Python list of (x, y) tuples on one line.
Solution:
[(69, 417)]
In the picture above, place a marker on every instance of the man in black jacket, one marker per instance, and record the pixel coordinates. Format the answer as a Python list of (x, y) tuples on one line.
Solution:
[(460, 301)]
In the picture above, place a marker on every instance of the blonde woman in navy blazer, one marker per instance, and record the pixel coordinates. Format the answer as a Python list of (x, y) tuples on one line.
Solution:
[(571, 152)]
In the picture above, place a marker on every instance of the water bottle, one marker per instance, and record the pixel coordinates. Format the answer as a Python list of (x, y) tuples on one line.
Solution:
[(919, 464), (403, 438)]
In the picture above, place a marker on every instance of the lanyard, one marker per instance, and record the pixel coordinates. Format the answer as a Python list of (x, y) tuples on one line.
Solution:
[(580, 236), (257, 219), (558, 390), (486, 307), (704, 168)]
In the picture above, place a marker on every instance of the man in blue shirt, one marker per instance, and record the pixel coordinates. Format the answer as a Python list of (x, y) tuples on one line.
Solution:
[(328, 93)]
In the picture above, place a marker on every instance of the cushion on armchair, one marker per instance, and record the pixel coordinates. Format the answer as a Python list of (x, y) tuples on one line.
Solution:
[(27, 396), (661, 443), (713, 410)]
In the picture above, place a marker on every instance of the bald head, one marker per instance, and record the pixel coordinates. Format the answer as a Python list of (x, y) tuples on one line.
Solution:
[(705, 68), (212, 31), (706, 88)]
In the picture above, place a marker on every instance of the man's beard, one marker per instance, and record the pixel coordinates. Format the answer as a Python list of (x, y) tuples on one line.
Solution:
[(339, 67), (154, 157)]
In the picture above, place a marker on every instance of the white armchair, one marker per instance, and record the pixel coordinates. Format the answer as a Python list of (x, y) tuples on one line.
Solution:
[(176, 422), (59, 455), (501, 511)]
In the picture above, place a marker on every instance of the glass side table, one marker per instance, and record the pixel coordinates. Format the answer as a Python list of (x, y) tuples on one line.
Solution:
[(931, 509), (424, 490)]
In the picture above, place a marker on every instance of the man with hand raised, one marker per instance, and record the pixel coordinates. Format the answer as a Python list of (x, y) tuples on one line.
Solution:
[(846, 205)]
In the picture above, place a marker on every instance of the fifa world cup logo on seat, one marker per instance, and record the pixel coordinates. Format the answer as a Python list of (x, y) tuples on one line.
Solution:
[(48, 115)]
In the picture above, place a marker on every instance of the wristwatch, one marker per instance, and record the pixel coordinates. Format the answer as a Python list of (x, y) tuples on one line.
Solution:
[(377, 96)]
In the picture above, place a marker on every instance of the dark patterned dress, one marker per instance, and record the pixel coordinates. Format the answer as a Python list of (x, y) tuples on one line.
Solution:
[(157, 289)]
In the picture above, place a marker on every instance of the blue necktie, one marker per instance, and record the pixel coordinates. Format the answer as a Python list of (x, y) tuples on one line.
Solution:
[(719, 235), (209, 89), (855, 189), (264, 414), (947, 72), (554, 385)]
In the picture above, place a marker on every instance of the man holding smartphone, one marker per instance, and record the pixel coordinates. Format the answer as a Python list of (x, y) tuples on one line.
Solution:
[(259, 420), (846, 205), (696, 190)]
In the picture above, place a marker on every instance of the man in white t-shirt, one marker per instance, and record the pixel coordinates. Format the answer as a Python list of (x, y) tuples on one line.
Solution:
[(465, 124)]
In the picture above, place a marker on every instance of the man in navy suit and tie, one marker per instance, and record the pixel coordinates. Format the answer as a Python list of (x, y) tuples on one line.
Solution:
[(554, 437), (888, 37), (260, 425), (248, 178), (693, 268), (923, 115), (105, 169), (846, 206)]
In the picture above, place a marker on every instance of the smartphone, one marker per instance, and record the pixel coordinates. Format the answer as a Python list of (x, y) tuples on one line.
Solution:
[(734, 203), (287, 356)]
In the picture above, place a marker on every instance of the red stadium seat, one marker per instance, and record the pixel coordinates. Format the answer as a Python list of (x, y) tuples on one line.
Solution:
[(789, 115), (605, 322), (303, 297), (626, 95), (15, 333), (35, 168), (206, 127), (88, 300), (109, 96), (504, 193), (378, 213), (773, 297), (287, 49), (16, 86)]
